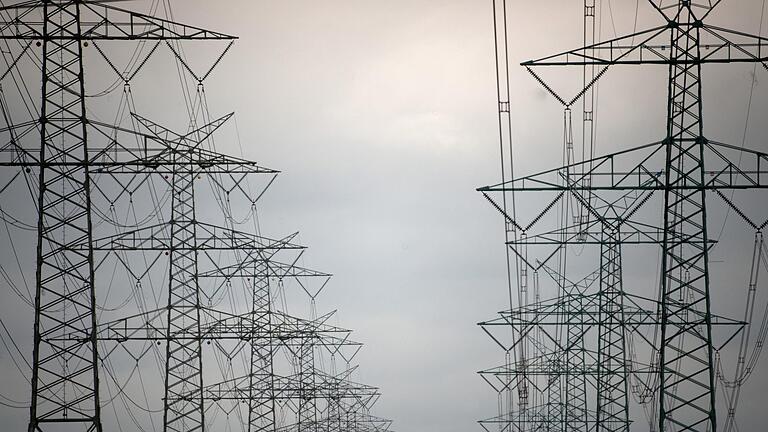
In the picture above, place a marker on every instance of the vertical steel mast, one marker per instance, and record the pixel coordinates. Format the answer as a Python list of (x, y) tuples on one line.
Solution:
[(687, 394), (261, 411), (183, 408), (65, 381), (612, 411)]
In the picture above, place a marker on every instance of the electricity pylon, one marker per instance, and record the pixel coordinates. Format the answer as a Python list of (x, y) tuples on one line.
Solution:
[(682, 171), (75, 154), (65, 381)]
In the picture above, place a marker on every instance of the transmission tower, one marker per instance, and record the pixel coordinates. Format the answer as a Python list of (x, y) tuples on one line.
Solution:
[(86, 170), (65, 381), (655, 195)]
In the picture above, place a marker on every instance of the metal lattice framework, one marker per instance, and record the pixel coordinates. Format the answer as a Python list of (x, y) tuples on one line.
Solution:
[(654, 196), (87, 168)]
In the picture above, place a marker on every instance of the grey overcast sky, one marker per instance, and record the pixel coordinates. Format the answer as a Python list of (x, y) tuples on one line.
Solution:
[(382, 117)]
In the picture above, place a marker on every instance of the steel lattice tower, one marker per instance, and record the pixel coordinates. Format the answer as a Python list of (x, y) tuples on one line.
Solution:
[(612, 379), (262, 411), (683, 172), (76, 151), (63, 274), (65, 384), (686, 358)]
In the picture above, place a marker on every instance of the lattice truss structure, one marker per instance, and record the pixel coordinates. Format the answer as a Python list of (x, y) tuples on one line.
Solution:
[(157, 303), (613, 322)]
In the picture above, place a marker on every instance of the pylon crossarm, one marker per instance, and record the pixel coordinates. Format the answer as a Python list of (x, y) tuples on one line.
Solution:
[(130, 152), (286, 329), (732, 44), (208, 163), (544, 365), (619, 50), (536, 415), (607, 212), (719, 45), (275, 269), (633, 232), (220, 325), (348, 420), (732, 167), (642, 168), (101, 21), (551, 313), (160, 150), (191, 140), (289, 387), (356, 420), (210, 237), (636, 168)]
